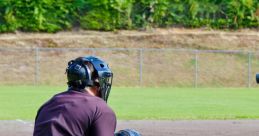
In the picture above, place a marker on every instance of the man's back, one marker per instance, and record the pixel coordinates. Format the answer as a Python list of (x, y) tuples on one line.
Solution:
[(74, 113)]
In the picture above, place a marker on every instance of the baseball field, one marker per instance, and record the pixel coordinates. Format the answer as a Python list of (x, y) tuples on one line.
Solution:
[(150, 106), (22, 102)]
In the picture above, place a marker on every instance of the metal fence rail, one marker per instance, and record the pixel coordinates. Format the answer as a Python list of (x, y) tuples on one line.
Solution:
[(134, 66)]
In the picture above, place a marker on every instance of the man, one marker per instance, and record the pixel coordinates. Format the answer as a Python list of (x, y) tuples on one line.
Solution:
[(82, 109)]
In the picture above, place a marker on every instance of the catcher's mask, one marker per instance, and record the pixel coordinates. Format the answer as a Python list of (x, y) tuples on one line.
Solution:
[(79, 75)]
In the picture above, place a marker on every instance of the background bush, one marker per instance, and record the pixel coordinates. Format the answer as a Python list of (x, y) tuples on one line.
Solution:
[(52, 16)]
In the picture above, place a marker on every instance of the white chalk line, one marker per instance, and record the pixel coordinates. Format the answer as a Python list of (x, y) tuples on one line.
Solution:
[(24, 122)]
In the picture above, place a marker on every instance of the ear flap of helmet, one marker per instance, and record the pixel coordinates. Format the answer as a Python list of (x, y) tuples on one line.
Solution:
[(78, 74)]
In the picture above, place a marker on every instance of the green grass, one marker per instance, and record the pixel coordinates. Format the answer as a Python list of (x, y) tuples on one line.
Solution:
[(22, 102)]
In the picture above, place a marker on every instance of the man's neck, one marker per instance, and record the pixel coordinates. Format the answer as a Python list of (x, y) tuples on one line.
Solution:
[(92, 91)]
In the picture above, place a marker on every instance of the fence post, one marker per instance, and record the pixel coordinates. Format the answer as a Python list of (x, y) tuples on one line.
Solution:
[(37, 68), (140, 66), (196, 69), (249, 70)]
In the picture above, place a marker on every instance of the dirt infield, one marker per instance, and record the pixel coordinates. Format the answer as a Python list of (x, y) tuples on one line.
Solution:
[(158, 128)]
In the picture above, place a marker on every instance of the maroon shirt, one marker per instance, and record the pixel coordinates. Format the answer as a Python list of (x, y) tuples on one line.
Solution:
[(74, 113)]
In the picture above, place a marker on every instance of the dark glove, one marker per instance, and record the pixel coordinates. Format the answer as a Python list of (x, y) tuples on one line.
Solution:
[(127, 132)]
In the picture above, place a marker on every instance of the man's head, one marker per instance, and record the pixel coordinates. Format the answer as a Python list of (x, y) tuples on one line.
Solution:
[(90, 72)]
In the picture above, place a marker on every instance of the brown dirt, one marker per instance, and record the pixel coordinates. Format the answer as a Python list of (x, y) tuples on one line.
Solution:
[(159, 128), (155, 38)]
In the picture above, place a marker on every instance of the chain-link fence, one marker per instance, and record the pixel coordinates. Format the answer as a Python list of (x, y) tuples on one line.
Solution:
[(134, 66)]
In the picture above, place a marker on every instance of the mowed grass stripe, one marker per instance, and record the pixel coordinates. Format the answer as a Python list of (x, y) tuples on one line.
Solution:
[(179, 103), (22, 102)]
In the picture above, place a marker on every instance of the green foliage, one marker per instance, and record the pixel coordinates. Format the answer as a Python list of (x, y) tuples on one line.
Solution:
[(37, 15), (107, 15), (98, 20), (52, 16)]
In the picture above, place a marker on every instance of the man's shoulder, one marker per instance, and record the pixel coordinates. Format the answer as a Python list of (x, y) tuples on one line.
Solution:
[(72, 95), (103, 107), (83, 98)]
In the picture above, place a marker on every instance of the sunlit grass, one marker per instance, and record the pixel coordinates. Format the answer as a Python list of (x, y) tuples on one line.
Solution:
[(22, 102)]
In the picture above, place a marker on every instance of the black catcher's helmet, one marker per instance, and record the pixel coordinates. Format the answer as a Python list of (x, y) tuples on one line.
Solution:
[(80, 75)]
